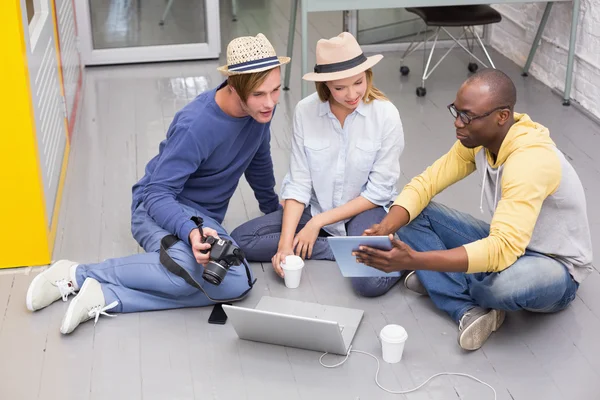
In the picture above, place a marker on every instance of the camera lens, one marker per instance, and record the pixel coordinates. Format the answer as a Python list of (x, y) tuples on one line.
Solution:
[(210, 277), (214, 273)]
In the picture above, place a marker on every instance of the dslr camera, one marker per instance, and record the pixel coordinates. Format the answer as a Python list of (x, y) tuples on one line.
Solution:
[(223, 255)]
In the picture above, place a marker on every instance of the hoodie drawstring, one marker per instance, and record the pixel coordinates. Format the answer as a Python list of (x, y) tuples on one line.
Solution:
[(483, 190), (496, 191)]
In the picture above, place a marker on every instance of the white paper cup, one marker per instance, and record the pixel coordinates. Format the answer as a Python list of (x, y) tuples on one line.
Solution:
[(292, 271), (392, 338)]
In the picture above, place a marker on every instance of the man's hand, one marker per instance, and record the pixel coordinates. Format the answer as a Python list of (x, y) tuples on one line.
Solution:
[(395, 219), (376, 230), (400, 257), (279, 257), (306, 238), (198, 246)]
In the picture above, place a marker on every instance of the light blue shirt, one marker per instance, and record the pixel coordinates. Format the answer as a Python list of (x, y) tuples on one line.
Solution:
[(331, 165)]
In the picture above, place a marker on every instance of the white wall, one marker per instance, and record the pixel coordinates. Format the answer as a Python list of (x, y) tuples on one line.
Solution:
[(514, 35)]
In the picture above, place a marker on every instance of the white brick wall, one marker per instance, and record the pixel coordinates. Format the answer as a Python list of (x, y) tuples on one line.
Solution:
[(514, 35)]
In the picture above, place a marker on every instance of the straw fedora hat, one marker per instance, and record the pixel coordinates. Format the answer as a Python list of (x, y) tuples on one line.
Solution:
[(340, 57), (249, 54)]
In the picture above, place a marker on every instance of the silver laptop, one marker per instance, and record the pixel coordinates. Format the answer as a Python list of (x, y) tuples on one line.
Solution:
[(299, 324)]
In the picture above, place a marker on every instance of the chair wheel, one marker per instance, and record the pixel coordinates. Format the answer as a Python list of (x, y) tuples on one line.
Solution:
[(473, 67), (421, 91), (404, 70)]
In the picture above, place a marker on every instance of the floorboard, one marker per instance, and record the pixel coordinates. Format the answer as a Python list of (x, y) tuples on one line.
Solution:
[(176, 354)]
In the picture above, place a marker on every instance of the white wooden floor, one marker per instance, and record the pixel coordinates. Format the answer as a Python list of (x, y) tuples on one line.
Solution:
[(178, 355)]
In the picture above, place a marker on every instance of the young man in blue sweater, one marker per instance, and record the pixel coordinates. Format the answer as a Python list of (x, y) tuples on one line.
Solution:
[(220, 135)]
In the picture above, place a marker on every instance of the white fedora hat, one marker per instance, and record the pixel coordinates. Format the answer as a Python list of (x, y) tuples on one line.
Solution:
[(249, 54), (340, 57)]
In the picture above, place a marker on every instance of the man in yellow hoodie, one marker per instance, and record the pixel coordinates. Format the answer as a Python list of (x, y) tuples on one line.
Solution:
[(537, 249)]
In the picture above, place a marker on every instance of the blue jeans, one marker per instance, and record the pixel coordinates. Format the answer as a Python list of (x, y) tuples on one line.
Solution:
[(141, 283), (535, 282), (259, 239)]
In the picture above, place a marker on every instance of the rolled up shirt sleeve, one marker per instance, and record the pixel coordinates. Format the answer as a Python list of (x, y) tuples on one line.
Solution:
[(384, 175)]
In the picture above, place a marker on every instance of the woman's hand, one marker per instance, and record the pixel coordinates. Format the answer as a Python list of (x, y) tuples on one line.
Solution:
[(306, 238), (279, 257)]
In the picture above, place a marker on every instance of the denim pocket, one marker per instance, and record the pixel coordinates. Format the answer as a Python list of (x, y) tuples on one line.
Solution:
[(317, 153)]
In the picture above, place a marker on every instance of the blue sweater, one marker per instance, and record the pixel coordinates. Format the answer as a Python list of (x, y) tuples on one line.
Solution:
[(200, 163)]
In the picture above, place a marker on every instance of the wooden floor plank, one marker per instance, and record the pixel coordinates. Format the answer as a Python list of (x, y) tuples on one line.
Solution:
[(177, 354)]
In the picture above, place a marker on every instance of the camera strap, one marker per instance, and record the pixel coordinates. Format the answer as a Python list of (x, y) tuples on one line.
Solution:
[(165, 259)]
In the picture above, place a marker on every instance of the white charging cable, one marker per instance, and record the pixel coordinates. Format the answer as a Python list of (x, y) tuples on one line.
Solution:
[(401, 391)]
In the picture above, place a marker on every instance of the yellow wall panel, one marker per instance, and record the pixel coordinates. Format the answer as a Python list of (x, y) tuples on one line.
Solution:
[(23, 223)]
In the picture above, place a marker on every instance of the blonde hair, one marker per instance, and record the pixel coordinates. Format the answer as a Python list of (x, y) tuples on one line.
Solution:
[(244, 84), (371, 93)]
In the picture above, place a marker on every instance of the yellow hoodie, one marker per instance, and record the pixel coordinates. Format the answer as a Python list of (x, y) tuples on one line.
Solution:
[(540, 205)]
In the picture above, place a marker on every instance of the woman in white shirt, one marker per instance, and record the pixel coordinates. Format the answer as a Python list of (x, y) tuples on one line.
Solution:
[(344, 167)]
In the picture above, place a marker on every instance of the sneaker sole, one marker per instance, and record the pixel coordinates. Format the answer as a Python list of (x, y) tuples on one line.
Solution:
[(69, 314), (29, 297), (475, 335)]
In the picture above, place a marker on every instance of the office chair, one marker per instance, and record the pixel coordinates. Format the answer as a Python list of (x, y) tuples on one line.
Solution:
[(466, 17)]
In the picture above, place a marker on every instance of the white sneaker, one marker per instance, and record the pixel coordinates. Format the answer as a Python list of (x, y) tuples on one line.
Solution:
[(89, 303), (56, 282)]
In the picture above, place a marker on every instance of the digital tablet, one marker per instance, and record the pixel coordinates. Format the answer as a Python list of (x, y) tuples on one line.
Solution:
[(343, 246)]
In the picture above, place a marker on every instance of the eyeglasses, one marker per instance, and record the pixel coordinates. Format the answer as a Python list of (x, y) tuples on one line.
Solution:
[(466, 119)]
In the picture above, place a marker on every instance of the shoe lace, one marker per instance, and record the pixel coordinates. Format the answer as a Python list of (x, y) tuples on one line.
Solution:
[(96, 311), (65, 287), (462, 319)]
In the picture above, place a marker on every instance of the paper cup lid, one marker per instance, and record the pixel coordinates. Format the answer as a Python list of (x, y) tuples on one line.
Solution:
[(393, 334), (292, 262)]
